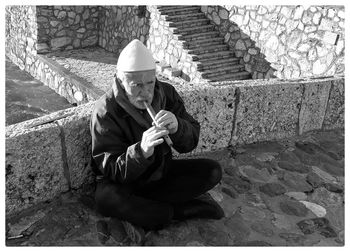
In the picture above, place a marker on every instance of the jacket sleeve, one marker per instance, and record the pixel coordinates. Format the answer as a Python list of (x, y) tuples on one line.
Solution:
[(114, 156), (187, 135)]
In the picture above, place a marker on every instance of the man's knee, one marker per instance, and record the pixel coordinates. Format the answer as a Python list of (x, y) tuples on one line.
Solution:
[(215, 172), (108, 202)]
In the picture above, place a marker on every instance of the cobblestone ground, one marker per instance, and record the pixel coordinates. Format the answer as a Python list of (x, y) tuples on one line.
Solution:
[(280, 193)]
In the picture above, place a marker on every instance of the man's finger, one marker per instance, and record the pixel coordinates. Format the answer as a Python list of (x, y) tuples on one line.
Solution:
[(159, 134), (160, 114), (163, 118), (166, 122), (155, 128), (156, 142)]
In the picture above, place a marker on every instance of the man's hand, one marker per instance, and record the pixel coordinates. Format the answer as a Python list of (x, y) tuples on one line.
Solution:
[(151, 138), (168, 120)]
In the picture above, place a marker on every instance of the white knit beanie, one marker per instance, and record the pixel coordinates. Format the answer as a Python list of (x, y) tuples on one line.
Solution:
[(135, 57)]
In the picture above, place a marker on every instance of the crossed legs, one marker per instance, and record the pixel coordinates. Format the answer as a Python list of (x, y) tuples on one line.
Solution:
[(155, 205)]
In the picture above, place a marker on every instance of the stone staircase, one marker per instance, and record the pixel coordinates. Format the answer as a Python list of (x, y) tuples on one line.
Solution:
[(214, 59)]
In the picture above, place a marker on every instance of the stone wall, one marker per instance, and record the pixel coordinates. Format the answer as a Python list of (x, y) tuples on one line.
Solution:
[(67, 84), (67, 27), (21, 35), (167, 48), (298, 41), (49, 155), (121, 24), (240, 42)]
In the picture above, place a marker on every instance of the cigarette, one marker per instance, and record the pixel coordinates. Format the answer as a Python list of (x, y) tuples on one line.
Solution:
[(152, 114)]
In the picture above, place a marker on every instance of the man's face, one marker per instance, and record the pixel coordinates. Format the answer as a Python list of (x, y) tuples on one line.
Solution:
[(139, 87)]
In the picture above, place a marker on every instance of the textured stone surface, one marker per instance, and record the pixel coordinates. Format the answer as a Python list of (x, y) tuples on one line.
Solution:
[(239, 231), (78, 144), (313, 106), (123, 21), (320, 225), (34, 165), (334, 117), (293, 167), (324, 197), (272, 189), (296, 182), (293, 238), (286, 36), (21, 35), (297, 195), (318, 210), (266, 112), (206, 105), (255, 175), (67, 28), (293, 207)]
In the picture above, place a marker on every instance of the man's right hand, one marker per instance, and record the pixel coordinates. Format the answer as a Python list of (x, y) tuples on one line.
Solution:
[(151, 138)]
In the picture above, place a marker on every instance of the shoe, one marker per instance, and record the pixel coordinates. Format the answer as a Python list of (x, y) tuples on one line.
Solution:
[(203, 206), (136, 234)]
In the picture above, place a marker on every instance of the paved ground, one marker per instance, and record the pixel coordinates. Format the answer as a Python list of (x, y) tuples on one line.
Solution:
[(281, 193), (28, 98)]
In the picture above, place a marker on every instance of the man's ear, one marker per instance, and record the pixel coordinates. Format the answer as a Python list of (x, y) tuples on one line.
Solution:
[(118, 80)]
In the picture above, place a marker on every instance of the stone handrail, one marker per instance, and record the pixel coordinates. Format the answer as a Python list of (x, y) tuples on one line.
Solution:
[(51, 154)]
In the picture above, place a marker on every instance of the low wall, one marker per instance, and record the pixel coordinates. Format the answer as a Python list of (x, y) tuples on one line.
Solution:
[(67, 84), (44, 160)]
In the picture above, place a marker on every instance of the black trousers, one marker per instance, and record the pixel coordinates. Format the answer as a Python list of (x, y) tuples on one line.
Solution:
[(152, 206)]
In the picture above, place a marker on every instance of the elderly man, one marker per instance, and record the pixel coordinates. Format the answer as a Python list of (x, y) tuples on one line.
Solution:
[(138, 182)]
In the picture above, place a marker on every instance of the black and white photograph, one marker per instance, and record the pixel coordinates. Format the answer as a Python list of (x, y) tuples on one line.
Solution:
[(165, 124)]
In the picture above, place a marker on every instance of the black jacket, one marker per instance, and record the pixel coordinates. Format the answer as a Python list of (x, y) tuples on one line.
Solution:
[(117, 128)]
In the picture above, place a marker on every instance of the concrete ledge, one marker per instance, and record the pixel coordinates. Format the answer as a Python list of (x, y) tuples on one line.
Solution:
[(48, 155), (34, 165), (77, 139), (266, 110), (334, 116), (214, 108), (313, 107)]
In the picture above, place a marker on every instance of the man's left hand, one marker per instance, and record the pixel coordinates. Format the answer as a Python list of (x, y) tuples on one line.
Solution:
[(168, 120)]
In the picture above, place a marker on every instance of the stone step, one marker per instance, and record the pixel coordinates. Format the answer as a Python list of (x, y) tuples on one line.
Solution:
[(208, 49), (180, 11), (222, 71), (232, 76), (173, 7), (219, 61), (210, 64), (190, 23), (194, 30), (185, 17), (215, 55), (199, 36), (203, 42)]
